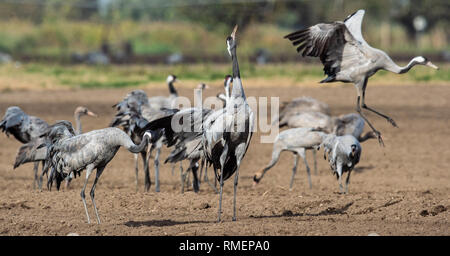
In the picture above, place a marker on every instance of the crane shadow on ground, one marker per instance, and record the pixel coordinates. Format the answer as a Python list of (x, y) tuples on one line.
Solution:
[(329, 211), (362, 169), (160, 223)]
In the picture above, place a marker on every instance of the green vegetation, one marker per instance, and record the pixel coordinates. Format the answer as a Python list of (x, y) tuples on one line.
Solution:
[(36, 75), (58, 28)]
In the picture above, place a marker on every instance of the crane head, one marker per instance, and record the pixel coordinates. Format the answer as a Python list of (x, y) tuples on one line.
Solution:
[(228, 79), (84, 111), (171, 78), (231, 40), (424, 61)]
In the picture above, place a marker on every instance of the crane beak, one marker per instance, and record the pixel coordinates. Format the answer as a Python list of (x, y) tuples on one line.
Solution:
[(90, 113), (429, 64), (233, 34)]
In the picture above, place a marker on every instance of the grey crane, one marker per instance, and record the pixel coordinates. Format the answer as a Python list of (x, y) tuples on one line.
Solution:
[(129, 111), (352, 124), (137, 104), (225, 133), (339, 125), (158, 102), (300, 105), (348, 58), (228, 131), (78, 113), (24, 128), (297, 141), (92, 150), (343, 152), (224, 97), (31, 152), (149, 109)]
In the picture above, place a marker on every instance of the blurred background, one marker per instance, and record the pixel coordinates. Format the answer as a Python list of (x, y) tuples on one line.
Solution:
[(55, 34)]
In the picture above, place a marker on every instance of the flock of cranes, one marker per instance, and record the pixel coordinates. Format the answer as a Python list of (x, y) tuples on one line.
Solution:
[(215, 137)]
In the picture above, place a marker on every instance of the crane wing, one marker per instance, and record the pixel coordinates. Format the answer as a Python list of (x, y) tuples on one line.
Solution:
[(353, 23), (333, 44)]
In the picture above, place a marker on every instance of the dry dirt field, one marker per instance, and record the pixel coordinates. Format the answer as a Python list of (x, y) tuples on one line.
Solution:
[(401, 189)]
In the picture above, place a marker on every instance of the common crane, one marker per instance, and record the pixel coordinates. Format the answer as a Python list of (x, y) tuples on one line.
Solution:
[(348, 58)]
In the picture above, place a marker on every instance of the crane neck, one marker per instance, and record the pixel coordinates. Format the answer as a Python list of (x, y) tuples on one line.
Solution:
[(172, 89), (198, 98), (138, 148), (366, 136), (238, 90), (393, 67), (78, 123)]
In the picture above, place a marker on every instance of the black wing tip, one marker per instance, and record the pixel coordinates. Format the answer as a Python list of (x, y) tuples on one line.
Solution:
[(328, 79), (349, 16), (295, 34)]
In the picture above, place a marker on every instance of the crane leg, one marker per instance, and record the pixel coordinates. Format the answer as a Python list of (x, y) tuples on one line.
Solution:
[(240, 151), (302, 154), (347, 181), (213, 186), (41, 177), (35, 169), (158, 152), (222, 165), (173, 169), (136, 169), (183, 178), (315, 161), (97, 176), (195, 181), (294, 170), (202, 164), (236, 178), (378, 134), (341, 188), (147, 180), (390, 120), (89, 169)]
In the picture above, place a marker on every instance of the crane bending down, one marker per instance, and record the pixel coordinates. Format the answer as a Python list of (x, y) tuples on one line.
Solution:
[(297, 141), (225, 134), (91, 150), (344, 152), (31, 152), (348, 58)]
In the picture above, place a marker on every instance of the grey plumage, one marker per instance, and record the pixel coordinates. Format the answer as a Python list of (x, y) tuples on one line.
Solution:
[(297, 141), (133, 112), (343, 152), (92, 150), (228, 131), (352, 124), (224, 97), (347, 57), (225, 133), (136, 104), (34, 151), (24, 128), (300, 105)]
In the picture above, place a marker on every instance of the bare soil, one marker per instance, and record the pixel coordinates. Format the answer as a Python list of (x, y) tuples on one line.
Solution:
[(400, 189)]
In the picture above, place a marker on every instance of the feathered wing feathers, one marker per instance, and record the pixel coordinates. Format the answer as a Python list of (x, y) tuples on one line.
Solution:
[(353, 23), (31, 152), (23, 127), (339, 151), (333, 43)]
